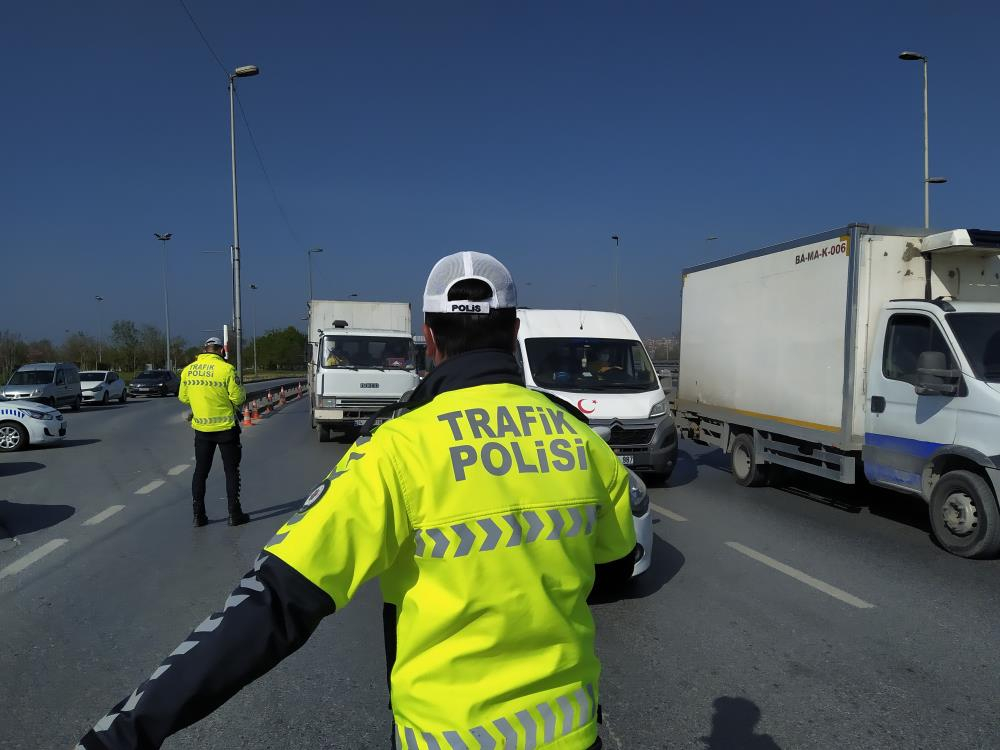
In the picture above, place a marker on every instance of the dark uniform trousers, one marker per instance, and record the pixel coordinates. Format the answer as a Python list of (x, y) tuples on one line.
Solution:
[(228, 442)]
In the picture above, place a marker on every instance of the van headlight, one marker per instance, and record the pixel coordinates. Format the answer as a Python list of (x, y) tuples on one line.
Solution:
[(659, 409), (638, 497), (35, 414), (327, 403)]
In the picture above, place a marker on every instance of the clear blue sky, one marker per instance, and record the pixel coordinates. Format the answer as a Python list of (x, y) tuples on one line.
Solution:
[(396, 132)]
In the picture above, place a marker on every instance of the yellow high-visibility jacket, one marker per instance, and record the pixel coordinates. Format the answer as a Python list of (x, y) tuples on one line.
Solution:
[(211, 387), (484, 524)]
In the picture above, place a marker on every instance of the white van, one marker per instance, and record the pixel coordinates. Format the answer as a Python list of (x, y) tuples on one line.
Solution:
[(596, 361)]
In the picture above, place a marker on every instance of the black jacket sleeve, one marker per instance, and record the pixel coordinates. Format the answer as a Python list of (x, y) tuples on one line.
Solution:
[(268, 616)]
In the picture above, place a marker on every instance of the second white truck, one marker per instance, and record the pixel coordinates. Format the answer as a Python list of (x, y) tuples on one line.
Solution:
[(863, 348), (361, 360)]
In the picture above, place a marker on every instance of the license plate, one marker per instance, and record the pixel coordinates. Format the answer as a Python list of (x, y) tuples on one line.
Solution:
[(363, 422), (627, 460)]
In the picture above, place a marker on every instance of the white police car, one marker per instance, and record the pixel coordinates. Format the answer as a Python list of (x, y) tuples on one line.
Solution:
[(24, 423)]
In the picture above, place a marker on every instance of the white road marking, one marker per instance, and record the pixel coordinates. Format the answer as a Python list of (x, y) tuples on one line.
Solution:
[(150, 487), (798, 575), (32, 557), (667, 513), (179, 469), (104, 515)]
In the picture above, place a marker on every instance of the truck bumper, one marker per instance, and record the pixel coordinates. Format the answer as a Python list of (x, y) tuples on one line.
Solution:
[(335, 419)]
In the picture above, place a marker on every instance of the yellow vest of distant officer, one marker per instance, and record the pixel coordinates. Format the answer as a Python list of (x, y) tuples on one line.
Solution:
[(212, 389)]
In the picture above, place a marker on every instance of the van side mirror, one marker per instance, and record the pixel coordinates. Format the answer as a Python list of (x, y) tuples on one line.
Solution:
[(933, 377)]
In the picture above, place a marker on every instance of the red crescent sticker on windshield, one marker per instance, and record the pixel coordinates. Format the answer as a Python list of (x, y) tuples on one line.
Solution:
[(585, 410)]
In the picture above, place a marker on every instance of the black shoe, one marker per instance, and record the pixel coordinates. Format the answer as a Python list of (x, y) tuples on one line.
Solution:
[(238, 518), (200, 519)]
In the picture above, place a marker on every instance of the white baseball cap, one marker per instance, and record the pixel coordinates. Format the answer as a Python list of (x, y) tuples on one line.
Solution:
[(469, 265), (213, 341)]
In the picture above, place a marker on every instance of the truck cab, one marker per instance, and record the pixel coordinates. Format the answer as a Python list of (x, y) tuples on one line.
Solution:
[(357, 372), (933, 415)]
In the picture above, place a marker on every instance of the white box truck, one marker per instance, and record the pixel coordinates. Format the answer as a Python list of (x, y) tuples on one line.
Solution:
[(866, 346), (361, 359)]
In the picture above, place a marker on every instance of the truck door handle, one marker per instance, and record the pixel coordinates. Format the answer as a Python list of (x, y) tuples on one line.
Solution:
[(878, 404)]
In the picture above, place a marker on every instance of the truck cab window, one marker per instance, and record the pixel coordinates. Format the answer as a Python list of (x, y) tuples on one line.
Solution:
[(907, 337)]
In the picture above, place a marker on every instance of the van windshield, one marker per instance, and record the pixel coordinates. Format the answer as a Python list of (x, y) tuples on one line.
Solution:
[(31, 377), (369, 352), (979, 336), (587, 365)]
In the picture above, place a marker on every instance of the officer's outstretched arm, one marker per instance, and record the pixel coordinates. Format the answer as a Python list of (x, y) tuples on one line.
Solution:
[(349, 530), (182, 392), (615, 531)]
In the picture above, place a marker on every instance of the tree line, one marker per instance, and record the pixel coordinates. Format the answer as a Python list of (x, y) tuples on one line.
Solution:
[(130, 347)]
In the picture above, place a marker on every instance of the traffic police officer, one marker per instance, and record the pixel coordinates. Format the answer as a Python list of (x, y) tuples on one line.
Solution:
[(213, 390), (483, 510)]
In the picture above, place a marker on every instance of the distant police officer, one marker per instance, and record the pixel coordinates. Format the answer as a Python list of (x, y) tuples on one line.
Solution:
[(210, 385), (483, 510)]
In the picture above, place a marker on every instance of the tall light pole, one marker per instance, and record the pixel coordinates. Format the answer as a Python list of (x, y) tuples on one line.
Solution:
[(928, 180), (244, 71), (99, 299), (617, 264), (164, 238), (309, 258), (254, 288)]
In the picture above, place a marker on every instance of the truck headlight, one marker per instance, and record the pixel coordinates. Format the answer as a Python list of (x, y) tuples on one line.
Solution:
[(659, 409), (35, 414), (638, 497), (327, 403)]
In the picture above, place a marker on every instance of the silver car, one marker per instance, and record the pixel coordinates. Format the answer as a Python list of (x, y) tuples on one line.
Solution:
[(53, 383)]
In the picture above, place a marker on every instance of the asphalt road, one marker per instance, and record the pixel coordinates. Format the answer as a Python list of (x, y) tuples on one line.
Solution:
[(801, 616)]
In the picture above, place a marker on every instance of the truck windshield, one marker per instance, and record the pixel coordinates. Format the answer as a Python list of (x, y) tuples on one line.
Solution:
[(589, 365), (372, 352), (979, 336), (31, 377)]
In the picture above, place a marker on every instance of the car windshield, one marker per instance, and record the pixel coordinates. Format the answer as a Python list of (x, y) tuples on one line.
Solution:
[(31, 377), (86, 377), (588, 365), (979, 336), (152, 375), (377, 352)]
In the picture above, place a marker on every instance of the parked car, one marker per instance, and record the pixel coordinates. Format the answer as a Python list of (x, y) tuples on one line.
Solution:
[(100, 386), (24, 423), (52, 383), (155, 383)]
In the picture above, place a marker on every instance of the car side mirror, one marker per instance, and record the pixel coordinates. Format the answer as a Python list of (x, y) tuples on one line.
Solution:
[(933, 376)]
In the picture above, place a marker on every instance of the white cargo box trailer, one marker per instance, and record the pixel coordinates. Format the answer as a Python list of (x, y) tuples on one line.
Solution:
[(865, 342)]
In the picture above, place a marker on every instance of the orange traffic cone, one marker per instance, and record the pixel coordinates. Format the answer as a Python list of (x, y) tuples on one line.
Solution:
[(267, 406), (299, 394), (256, 411), (281, 397), (246, 416)]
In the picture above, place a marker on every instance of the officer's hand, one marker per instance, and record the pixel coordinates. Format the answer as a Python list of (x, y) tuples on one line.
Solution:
[(188, 416)]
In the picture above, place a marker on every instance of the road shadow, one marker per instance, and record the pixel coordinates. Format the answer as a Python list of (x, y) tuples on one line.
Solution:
[(733, 726), (71, 443), (101, 407), (667, 561), (19, 467), (24, 518), (686, 470), (261, 514), (908, 510)]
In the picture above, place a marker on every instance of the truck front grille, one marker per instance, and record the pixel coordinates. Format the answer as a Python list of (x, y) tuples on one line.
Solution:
[(364, 403)]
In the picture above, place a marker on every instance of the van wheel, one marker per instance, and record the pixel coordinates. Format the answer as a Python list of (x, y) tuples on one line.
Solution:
[(324, 433), (76, 404), (13, 437), (746, 471), (964, 515)]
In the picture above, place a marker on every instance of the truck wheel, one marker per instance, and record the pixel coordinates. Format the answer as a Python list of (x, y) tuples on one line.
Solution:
[(964, 515), (746, 471), (324, 433)]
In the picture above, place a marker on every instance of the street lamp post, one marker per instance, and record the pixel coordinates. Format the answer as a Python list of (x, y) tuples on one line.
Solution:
[(309, 255), (928, 180), (617, 263), (99, 299), (164, 238), (254, 288), (244, 71)]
